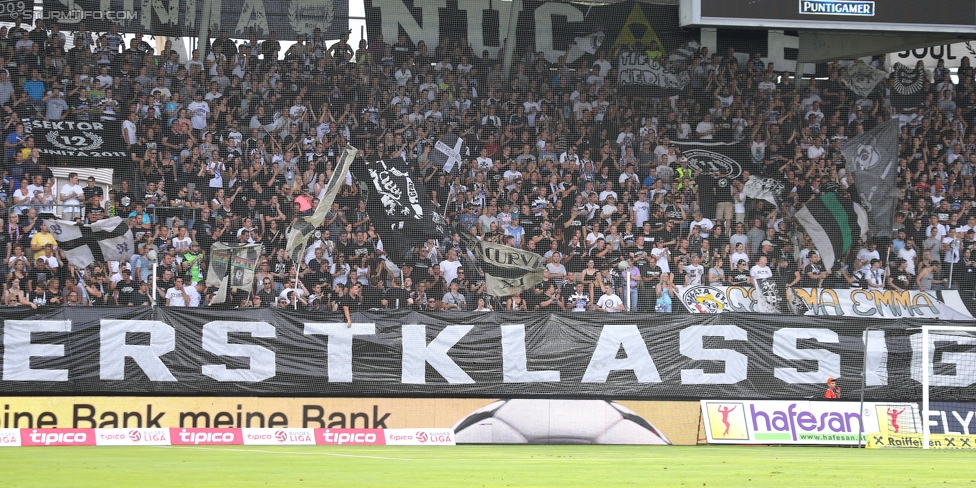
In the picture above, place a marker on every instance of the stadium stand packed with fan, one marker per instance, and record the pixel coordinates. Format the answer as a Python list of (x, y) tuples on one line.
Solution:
[(598, 182)]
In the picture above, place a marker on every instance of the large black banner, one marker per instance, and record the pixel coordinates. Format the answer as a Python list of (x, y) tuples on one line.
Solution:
[(179, 351), (79, 143), (179, 17), (553, 28)]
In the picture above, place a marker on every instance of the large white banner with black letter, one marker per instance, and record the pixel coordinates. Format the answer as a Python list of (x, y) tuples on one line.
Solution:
[(180, 351)]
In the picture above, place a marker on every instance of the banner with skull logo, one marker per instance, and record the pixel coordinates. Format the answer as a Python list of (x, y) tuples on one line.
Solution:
[(872, 160)]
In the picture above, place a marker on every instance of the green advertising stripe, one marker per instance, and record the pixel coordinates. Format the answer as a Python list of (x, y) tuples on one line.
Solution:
[(773, 437)]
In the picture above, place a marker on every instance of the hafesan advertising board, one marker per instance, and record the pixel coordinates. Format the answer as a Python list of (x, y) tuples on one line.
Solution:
[(804, 421)]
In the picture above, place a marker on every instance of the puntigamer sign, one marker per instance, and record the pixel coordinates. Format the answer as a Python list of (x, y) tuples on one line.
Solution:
[(821, 7)]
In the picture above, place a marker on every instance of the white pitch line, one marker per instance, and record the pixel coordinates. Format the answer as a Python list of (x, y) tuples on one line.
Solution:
[(202, 448)]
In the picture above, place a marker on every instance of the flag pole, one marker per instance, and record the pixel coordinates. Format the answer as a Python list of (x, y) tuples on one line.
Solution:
[(298, 267)]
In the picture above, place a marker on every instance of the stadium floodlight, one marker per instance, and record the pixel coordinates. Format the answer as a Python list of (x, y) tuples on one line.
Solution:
[(962, 335)]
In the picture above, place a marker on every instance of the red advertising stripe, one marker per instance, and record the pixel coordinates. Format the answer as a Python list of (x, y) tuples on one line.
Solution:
[(57, 437), (220, 437), (351, 437)]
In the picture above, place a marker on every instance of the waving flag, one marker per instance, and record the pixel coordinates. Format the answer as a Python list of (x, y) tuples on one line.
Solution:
[(232, 267), (305, 227), (398, 205), (872, 159), (105, 240), (507, 270), (834, 225)]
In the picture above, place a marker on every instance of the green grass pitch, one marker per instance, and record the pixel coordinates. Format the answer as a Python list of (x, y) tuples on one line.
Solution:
[(463, 466)]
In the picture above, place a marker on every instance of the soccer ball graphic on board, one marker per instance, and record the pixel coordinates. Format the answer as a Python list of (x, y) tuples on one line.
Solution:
[(538, 421)]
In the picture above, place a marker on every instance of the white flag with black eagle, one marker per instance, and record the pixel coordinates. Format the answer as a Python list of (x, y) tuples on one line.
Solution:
[(105, 240)]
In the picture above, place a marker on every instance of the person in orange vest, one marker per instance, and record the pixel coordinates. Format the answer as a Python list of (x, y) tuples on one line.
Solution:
[(833, 391)]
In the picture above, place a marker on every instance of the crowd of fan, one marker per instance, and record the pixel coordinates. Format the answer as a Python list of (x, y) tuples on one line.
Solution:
[(234, 147)]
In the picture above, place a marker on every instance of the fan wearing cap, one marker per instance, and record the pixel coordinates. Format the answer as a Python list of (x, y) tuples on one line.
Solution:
[(833, 391)]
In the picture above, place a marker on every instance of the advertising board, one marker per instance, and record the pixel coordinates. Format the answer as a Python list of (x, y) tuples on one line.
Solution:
[(352, 421), (804, 421)]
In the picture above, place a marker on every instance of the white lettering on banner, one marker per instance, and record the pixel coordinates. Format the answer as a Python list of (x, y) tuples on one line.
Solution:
[(395, 15), (340, 346), (639, 69), (349, 436), (417, 354), (48, 437), (951, 55), (475, 10), (736, 364), (827, 364), (205, 436), (799, 361), (604, 359), (876, 358), (514, 360), (961, 366), (253, 18), (262, 360), (114, 349), (66, 125), (18, 350), (543, 27)]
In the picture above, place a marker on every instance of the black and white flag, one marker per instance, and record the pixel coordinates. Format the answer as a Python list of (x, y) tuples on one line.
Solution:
[(232, 267), (449, 152), (105, 240), (507, 270), (398, 205), (862, 78), (906, 90), (305, 227), (769, 189), (767, 296), (872, 159)]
